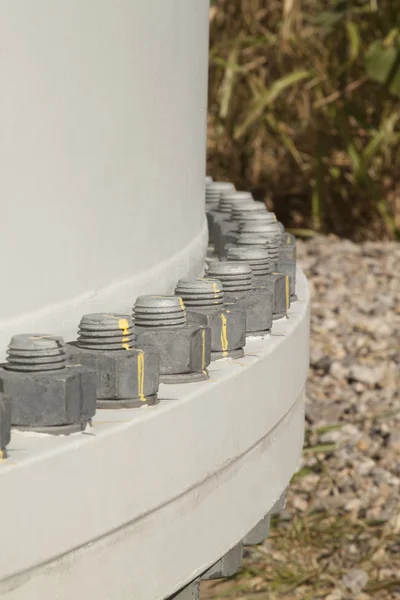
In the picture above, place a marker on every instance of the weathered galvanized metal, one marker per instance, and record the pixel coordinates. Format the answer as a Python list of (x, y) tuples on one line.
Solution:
[(127, 376)]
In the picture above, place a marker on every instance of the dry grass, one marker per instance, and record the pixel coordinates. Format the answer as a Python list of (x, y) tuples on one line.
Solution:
[(297, 114)]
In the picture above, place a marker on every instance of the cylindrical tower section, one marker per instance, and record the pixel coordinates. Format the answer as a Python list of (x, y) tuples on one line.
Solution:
[(102, 156)]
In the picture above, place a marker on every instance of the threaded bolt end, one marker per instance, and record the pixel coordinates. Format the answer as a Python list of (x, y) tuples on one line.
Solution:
[(201, 293), (257, 218), (269, 230), (31, 352), (252, 240), (214, 190), (235, 276), (106, 331), (230, 199), (159, 311), (257, 258), (239, 212)]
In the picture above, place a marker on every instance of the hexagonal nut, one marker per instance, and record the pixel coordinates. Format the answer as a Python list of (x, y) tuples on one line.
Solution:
[(226, 566), (50, 398), (184, 349), (279, 285), (5, 421), (121, 374), (228, 326), (258, 305)]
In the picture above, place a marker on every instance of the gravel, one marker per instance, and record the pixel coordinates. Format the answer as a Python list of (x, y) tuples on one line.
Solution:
[(339, 536)]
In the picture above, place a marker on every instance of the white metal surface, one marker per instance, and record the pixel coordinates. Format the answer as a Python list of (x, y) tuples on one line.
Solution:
[(102, 155), (155, 495)]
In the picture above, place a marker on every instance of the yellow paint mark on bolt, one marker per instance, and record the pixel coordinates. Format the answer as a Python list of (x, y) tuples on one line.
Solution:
[(224, 337), (140, 376), (287, 292), (275, 218), (2, 455), (182, 304), (203, 350), (124, 325), (288, 239)]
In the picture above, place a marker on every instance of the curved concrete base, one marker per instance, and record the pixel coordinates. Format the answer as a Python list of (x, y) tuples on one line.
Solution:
[(220, 452)]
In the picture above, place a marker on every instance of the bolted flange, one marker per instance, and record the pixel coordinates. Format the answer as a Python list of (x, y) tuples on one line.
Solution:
[(127, 377), (184, 349), (45, 393)]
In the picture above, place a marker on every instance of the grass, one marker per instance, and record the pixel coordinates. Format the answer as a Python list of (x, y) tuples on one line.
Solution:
[(304, 110)]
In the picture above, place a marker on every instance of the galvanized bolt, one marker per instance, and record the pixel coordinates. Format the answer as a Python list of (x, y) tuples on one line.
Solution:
[(227, 566), (283, 262), (277, 283), (45, 393), (184, 349), (269, 231), (5, 424), (220, 217), (229, 229), (127, 377), (205, 305), (237, 281), (214, 189), (259, 242)]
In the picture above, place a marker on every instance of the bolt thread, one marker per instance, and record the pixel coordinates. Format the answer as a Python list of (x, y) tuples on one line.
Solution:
[(239, 212), (258, 217), (201, 293), (268, 230), (106, 331), (235, 276), (257, 258), (36, 352), (159, 311), (252, 240), (230, 199), (215, 189)]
